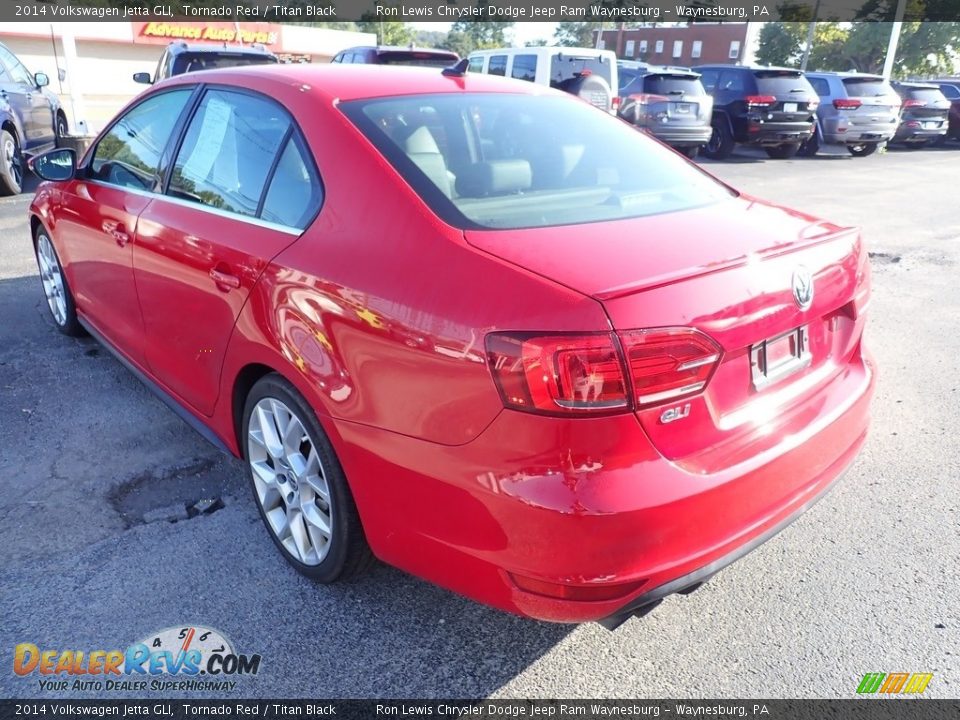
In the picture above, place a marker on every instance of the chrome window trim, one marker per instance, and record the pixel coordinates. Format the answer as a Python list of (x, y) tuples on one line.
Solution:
[(266, 224)]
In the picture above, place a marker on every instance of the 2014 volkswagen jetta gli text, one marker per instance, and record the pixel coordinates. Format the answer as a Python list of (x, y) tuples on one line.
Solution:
[(473, 327)]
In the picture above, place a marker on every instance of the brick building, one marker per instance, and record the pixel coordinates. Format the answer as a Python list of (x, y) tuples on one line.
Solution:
[(685, 44)]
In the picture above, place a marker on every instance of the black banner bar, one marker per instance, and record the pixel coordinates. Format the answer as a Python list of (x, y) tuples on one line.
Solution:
[(612, 11), (854, 709)]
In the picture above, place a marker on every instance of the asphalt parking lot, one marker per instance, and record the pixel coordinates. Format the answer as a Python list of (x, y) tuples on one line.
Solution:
[(867, 581)]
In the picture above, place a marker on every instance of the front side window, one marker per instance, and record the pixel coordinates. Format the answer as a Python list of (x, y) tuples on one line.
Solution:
[(524, 67), (129, 154), (18, 73), (476, 64), (498, 65), (518, 161), (228, 151)]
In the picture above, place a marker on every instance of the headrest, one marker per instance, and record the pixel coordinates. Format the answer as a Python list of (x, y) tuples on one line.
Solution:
[(498, 177), (420, 140)]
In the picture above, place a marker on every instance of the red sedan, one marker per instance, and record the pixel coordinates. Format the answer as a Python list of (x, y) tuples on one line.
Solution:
[(470, 326)]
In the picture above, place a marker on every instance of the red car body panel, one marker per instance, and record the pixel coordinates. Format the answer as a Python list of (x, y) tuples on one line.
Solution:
[(378, 314)]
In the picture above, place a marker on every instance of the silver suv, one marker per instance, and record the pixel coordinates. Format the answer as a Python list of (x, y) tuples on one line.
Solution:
[(856, 110)]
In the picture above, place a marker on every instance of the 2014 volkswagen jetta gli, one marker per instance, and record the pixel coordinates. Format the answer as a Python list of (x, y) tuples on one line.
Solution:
[(473, 327)]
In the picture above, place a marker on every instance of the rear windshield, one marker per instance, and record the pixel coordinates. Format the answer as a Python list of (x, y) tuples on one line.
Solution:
[(507, 161), (782, 82), (565, 67), (924, 94), (673, 85), (867, 87), (416, 59), (192, 62)]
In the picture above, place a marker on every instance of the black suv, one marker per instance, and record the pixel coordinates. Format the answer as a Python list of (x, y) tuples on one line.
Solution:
[(924, 114), (773, 108), (181, 57), (389, 55)]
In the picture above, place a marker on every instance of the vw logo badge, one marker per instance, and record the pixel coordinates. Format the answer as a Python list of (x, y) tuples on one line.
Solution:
[(802, 287)]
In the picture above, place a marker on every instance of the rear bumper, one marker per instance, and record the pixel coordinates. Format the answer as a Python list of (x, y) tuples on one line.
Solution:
[(767, 133), (844, 132), (681, 136), (589, 504), (907, 134)]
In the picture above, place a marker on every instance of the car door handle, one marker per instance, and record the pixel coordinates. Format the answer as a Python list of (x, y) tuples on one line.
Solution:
[(116, 231), (224, 280)]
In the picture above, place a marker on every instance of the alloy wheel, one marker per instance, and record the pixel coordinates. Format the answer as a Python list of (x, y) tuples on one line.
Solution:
[(11, 156), (52, 279), (290, 481)]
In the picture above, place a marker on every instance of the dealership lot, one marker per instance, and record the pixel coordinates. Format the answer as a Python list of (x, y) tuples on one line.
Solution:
[(865, 582)]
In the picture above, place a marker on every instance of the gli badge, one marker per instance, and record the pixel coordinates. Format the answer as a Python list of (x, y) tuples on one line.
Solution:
[(675, 413), (802, 287)]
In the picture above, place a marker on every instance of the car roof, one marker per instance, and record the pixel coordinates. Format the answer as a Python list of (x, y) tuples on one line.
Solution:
[(749, 68), (845, 75), (399, 49), (915, 85), (179, 46), (337, 81)]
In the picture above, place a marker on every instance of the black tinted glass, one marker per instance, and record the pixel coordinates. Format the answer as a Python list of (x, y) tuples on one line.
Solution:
[(228, 151), (193, 62), (129, 154), (566, 67), (672, 85), (782, 83)]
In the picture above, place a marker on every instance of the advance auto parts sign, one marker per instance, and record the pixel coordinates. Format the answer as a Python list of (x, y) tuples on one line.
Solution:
[(163, 32)]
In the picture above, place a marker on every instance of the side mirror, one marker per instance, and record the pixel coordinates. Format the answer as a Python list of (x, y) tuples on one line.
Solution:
[(56, 165), (143, 78), (41, 80)]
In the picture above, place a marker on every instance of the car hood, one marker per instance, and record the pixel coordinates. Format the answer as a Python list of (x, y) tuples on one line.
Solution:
[(613, 259)]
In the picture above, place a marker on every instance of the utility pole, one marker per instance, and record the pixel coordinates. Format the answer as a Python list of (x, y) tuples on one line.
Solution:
[(600, 36), (894, 41), (811, 29)]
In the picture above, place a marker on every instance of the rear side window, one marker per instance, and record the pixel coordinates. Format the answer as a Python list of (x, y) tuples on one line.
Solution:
[(129, 154), (867, 87), (672, 85), (565, 67), (498, 65), (950, 92), (732, 81), (228, 151), (782, 83), (709, 79), (626, 76), (295, 192), (821, 86), (415, 59), (524, 67)]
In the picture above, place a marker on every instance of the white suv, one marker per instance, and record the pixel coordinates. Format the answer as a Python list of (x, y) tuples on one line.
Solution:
[(587, 73)]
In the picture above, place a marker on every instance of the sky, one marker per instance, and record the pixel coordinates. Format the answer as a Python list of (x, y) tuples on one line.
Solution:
[(522, 32)]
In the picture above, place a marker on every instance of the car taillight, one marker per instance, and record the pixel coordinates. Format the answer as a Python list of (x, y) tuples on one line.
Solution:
[(912, 103), (616, 102), (648, 98), (760, 100), (580, 374), (846, 104), (585, 374), (668, 363)]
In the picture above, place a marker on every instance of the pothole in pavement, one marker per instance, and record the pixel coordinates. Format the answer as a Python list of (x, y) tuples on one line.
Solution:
[(198, 487), (885, 258)]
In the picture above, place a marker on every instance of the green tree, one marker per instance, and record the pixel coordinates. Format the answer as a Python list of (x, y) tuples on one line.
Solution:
[(465, 36), (388, 32), (575, 34), (780, 43)]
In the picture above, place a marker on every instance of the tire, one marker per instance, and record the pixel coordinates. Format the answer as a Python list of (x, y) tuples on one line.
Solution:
[(55, 288), (299, 487), (811, 147), (60, 128), (690, 152), (863, 150), (721, 143), (11, 164), (783, 152)]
